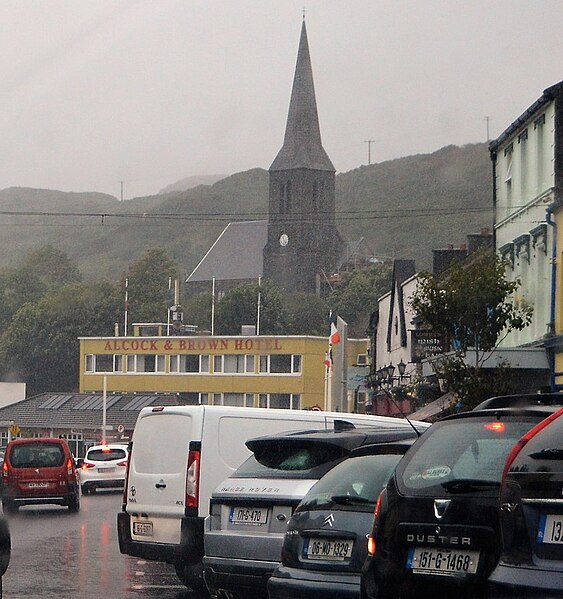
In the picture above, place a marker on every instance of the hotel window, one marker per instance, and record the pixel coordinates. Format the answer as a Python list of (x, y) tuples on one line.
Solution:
[(185, 363), (281, 364), (235, 364), (285, 401), (146, 363), (118, 363), (103, 362), (160, 364), (239, 400), (89, 366)]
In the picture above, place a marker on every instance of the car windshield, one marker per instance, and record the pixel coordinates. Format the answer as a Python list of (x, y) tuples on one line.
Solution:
[(354, 483), (36, 455), (461, 455), (106, 455)]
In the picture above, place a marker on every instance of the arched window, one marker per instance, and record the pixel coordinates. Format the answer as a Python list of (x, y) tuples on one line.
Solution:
[(315, 196), (282, 198), (288, 196)]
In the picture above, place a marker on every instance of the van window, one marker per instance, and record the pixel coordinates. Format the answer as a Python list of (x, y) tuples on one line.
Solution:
[(161, 444), (37, 455)]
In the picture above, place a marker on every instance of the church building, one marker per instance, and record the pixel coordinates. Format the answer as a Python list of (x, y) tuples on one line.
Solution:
[(299, 247)]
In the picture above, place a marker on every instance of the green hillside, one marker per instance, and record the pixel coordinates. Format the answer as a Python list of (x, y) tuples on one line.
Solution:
[(393, 205)]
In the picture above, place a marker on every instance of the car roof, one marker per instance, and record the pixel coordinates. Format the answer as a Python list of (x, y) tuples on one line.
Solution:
[(348, 439), (521, 400)]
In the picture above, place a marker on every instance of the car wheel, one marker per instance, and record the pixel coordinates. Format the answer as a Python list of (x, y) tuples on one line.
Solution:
[(191, 575), (9, 506), (74, 503), (85, 490)]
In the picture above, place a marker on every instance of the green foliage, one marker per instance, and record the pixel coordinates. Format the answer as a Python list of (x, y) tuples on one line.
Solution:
[(41, 347), (353, 299), (197, 310), (472, 317), (239, 307), (306, 314), (148, 279)]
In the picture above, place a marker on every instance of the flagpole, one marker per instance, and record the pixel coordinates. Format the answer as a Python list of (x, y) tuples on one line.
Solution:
[(326, 387), (126, 306), (259, 307), (168, 301), (213, 307)]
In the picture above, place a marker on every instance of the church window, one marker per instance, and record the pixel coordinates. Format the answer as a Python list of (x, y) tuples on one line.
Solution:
[(288, 197), (315, 196), (282, 198)]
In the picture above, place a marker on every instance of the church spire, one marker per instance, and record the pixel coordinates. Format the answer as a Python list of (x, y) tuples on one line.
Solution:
[(302, 147)]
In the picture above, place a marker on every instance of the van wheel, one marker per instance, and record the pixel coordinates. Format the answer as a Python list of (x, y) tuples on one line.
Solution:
[(74, 503), (9, 506), (191, 575)]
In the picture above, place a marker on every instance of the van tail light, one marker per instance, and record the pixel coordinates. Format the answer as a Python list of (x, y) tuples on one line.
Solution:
[(522, 442), (4, 469), (126, 483), (192, 475), (372, 546)]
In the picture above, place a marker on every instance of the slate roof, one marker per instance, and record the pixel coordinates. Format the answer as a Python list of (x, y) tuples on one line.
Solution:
[(236, 254), (82, 410), (302, 147)]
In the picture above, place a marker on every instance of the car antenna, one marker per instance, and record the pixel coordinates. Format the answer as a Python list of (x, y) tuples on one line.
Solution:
[(390, 396)]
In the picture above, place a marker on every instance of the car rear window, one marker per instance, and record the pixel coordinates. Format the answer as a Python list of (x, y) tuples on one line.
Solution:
[(354, 483), (106, 455), (37, 455), (301, 460), (461, 450)]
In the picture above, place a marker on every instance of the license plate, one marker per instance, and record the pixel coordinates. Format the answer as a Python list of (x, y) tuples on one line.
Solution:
[(248, 515), (37, 485), (551, 529), (337, 549), (450, 562), (142, 529), (104, 470)]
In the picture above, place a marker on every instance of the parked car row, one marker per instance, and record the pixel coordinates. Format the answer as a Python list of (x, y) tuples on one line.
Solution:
[(367, 508)]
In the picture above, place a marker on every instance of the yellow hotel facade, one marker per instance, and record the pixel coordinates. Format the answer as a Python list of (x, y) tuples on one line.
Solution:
[(249, 371)]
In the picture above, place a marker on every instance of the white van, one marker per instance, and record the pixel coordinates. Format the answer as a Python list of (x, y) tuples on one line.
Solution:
[(178, 455)]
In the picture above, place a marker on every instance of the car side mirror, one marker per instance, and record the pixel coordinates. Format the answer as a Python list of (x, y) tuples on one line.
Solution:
[(78, 462)]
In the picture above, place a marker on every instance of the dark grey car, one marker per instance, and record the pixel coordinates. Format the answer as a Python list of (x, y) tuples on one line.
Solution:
[(325, 543)]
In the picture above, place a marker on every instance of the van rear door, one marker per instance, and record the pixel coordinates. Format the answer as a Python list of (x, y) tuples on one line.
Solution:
[(156, 489)]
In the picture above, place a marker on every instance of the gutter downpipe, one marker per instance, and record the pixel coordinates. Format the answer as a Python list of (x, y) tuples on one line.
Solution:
[(551, 350)]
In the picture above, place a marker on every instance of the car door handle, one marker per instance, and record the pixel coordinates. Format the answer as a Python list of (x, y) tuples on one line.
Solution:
[(160, 485)]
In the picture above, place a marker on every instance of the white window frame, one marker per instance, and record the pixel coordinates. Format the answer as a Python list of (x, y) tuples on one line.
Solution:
[(264, 400), (296, 364)]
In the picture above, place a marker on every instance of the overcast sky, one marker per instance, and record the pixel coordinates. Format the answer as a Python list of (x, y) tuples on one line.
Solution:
[(151, 91)]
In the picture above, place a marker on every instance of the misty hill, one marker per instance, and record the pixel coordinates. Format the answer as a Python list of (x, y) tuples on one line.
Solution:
[(401, 197), (191, 182)]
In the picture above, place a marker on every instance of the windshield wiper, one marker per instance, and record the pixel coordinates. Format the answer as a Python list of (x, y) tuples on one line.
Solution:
[(462, 485), (350, 499)]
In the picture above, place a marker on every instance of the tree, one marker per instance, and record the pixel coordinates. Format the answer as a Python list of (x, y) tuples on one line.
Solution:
[(306, 314), (473, 307), (355, 295), (41, 347), (148, 279), (239, 307), (197, 310)]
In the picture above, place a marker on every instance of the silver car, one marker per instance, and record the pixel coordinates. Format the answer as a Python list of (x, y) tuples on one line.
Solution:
[(250, 510)]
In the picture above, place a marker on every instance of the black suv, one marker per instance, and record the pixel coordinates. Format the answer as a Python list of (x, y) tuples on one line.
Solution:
[(436, 522), (531, 510)]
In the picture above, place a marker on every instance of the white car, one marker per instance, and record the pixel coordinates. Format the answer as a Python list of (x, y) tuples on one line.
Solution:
[(104, 466)]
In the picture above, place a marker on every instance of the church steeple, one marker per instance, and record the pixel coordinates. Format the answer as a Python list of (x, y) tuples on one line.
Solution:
[(302, 147)]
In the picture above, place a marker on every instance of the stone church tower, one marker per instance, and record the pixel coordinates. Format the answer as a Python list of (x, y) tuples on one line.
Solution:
[(303, 241)]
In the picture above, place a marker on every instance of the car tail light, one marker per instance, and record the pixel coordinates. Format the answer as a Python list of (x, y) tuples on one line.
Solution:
[(496, 427), (126, 484), (86, 466), (123, 463), (192, 478), (529, 435), (371, 545), (70, 466), (376, 516)]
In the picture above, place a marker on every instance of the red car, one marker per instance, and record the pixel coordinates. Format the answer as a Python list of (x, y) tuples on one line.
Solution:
[(37, 472)]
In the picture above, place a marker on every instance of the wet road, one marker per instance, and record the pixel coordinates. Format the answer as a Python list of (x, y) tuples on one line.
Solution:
[(57, 555)]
